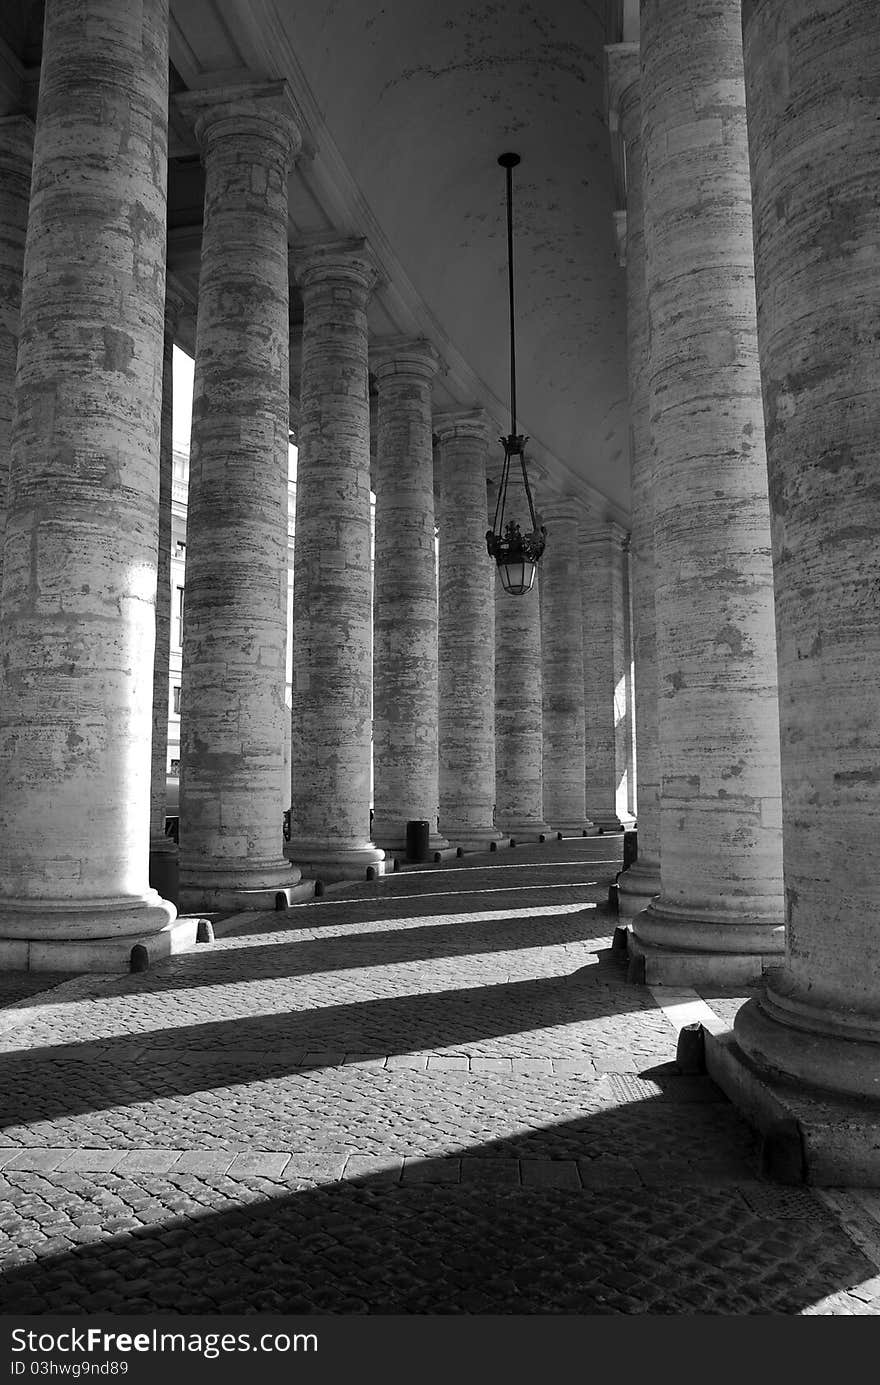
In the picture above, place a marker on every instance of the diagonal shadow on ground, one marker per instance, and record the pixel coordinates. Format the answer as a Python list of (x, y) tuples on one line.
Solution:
[(456, 1235)]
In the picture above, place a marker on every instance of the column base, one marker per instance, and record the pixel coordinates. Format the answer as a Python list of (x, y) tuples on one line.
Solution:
[(582, 827), (164, 868), (611, 822), (242, 885), (330, 860), (636, 887), (808, 1137), (68, 921), (477, 838), (527, 831), (392, 839), (673, 946), (104, 955)]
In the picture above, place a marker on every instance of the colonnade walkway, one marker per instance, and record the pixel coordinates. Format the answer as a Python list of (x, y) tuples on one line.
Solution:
[(432, 1093)]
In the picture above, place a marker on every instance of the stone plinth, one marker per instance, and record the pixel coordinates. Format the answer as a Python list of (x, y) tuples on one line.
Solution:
[(606, 713), (77, 616), (562, 652), (720, 906), (16, 153), (332, 598), (232, 789), (405, 680), (638, 885), (817, 1022), (519, 735), (466, 635)]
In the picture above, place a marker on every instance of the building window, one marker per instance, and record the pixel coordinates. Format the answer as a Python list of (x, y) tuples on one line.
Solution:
[(174, 770), (176, 703), (178, 618)]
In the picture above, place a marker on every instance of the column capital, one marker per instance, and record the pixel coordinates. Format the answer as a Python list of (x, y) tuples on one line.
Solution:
[(248, 108), (556, 508), (622, 81), (403, 358), (325, 259), (463, 423), (603, 531), (16, 143)]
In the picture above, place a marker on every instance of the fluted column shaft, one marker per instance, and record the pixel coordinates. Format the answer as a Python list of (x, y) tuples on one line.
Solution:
[(405, 680), (606, 722), (16, 155), (466, 636), (160, 845), (811, 78), (562, 649), (332, 597), (642, 881), (720, 813), (77, 619), (519, 732), (232, 687)]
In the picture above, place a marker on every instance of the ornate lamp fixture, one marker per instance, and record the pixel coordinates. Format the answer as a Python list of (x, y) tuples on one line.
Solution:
[(517, 554)]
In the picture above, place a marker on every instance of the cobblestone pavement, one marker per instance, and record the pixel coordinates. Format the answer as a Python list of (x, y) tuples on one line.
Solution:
[(432, 1093)]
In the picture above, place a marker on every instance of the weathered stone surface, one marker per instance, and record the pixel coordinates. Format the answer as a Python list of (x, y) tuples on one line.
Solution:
[(606, 719), (232, 692), (720, 812), (77, 621), (818, 279), (562, 650), (466, 635), (519, 735), (641, 881), (405, 686), (332, 597), (16, 154)]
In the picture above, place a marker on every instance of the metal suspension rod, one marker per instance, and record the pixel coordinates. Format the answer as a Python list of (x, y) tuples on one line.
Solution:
[(509, 163)]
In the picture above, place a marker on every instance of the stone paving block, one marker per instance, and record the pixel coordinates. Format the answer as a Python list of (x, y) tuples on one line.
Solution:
[(318, 1168), (549, 1173), (532, 1067), (448, 1062), (92, 1160), (573, 1067), (380, 1167), (415, 1061), (206, 1162), (322, 1058), (258, 1165), (498, 1066), (608, 1173), (147, 1160), (431, 1170), (616, 1063), (365, 1060), (36, 1158), (490, 1171)]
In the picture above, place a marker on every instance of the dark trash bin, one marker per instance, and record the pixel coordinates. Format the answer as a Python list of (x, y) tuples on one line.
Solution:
[(630, 848), (417, 834)]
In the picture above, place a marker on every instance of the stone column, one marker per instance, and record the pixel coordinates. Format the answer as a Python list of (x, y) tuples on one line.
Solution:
[(16, 153), (405, 687), (163, 850), (811, 78), (234, 630), (466, 637), (719, 914), (519, 733), (606, 724), (638, 885), (562, 648), (77, 619), (332, 597)]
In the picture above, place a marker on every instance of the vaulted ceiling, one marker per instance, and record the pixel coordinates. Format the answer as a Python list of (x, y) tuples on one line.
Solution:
[(405, 107)]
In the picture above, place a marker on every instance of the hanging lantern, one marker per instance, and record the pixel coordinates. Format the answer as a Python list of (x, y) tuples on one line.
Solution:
[(516, 552)]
